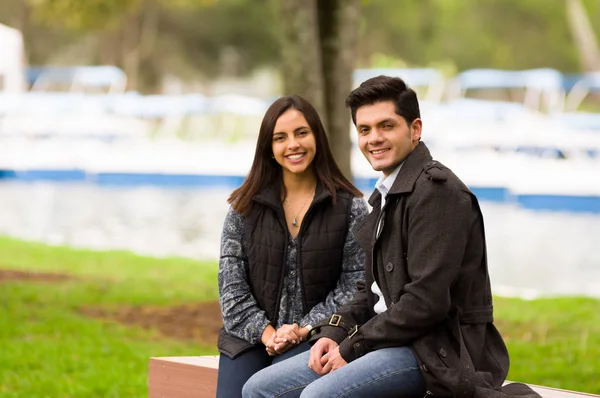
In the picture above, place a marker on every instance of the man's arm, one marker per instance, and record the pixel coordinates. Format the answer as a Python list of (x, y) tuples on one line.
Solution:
[(438, 232)]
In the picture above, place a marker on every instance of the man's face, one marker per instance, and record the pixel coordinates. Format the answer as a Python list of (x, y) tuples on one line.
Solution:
[(384, 137)]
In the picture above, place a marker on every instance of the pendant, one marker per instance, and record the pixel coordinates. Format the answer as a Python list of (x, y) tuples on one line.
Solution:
[(295, 223)]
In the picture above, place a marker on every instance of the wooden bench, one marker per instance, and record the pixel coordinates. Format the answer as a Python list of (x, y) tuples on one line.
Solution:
[(182, 377), (196, 377)]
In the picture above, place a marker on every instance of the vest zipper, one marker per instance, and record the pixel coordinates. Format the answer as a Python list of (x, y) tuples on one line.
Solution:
[(305, 310), (283, 269)]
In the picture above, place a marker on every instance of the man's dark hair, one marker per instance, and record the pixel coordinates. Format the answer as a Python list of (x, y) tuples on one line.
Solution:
[(385, 88)]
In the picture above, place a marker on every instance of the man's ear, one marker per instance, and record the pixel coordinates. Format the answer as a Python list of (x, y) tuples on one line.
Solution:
[(416, 127)]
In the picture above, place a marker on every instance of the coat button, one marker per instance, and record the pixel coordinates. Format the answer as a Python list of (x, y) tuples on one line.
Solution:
[(443, 353), (389, 267), (424, 368)]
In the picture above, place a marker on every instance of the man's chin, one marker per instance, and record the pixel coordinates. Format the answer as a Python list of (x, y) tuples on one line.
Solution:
[(377, 166)]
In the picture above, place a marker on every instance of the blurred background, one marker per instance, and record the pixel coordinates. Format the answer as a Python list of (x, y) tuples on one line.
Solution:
[(125, 125)]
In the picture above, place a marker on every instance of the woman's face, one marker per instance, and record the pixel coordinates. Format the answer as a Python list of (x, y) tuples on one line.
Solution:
[(294, 146)]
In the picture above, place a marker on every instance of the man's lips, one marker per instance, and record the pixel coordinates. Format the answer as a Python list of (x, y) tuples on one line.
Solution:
[(378, 152)]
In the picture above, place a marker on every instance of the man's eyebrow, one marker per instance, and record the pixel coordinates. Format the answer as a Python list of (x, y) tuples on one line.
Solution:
[(386, 120)]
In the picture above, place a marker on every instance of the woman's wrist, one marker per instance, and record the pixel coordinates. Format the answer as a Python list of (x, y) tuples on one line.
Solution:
[(305, 331), (267, 334)]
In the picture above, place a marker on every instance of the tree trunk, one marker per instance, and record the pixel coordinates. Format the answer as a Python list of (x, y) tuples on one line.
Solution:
[(302, 52), (131, 50), (319, 48), (338, 27), (583, 35)]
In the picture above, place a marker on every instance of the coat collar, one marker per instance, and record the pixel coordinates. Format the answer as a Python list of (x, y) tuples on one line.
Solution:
[(410, 171)]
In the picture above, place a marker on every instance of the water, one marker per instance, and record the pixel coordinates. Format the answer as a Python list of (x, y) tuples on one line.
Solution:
[(530, 253)]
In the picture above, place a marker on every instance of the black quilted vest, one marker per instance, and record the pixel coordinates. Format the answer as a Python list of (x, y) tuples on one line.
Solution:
[(320, 248)]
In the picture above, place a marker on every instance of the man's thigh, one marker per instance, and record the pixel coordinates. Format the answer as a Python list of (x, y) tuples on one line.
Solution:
[(284, 379), (389, 372), (299, 349)]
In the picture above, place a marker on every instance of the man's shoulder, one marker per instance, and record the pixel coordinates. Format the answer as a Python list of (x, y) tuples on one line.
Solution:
[(437, 176)]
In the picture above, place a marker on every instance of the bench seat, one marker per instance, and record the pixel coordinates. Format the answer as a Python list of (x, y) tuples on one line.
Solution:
[(196, 377)]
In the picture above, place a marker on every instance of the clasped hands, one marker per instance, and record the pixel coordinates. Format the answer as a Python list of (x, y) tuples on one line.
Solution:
[(281, 340)]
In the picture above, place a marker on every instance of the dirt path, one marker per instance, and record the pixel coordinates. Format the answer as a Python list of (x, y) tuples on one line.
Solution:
[(7, 275), (199, 322)]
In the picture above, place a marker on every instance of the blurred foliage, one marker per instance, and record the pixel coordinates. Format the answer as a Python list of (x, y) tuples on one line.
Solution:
[(203, 39), (506, 34)]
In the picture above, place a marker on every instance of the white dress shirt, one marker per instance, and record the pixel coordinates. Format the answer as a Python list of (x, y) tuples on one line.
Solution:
[(383, 185)]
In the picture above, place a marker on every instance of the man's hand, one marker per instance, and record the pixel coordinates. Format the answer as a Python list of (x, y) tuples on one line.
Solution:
[(318, 351), (332, 361)]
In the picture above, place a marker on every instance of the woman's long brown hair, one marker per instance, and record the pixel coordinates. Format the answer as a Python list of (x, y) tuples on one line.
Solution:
[(266, 171)]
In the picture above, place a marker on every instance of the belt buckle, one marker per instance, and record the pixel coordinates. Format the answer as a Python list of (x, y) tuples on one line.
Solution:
[(335, 320), (353, 331)]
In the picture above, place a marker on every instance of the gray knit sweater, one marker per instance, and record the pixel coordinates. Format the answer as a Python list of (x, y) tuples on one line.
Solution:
[(241, 315)]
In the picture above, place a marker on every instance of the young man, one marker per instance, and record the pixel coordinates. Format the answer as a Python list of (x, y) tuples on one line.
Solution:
[(422, 322)]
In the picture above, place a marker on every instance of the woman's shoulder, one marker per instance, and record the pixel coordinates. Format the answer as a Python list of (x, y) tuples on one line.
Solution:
[(359, 207), (233, 219)]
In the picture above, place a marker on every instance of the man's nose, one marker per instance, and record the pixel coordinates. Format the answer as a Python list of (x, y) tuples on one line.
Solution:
[(375, 136)]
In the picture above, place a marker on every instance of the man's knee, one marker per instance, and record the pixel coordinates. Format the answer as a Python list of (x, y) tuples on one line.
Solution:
[(252, 388), (315, 390)]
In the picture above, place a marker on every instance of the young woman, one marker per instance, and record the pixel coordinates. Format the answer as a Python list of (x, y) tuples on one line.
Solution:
[(288, 256)]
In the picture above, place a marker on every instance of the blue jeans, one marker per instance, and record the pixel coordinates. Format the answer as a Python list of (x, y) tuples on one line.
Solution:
[(233, 373), (388, 372)]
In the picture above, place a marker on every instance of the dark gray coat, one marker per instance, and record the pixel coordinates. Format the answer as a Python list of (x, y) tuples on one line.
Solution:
[(430, 263)]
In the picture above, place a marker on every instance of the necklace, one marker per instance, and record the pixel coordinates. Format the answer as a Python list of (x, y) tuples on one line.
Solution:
[(295, 220)]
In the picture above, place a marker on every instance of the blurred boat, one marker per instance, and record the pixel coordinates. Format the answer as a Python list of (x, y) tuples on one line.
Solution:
[(508, 152)]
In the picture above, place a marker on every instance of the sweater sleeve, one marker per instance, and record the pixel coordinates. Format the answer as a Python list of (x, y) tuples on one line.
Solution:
[(353, 271), (242, 317)]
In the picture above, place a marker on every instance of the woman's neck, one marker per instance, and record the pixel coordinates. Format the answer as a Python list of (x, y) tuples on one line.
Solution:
[(299, 184)]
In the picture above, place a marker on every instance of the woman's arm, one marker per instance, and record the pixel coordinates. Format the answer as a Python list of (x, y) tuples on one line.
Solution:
[(241, 315), (353, 271)]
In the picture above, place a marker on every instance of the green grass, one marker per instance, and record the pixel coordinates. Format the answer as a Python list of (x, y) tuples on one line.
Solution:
[(553, 342), (47, 349)]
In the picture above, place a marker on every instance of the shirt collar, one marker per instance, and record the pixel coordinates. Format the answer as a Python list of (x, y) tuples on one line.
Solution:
[(384, 184)]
